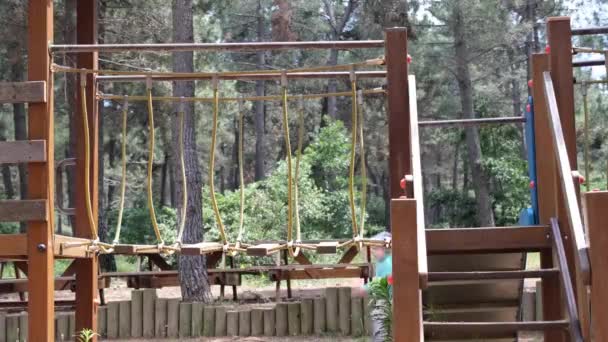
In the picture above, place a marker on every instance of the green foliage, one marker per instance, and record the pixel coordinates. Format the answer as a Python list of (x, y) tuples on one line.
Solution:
[(86, 335), (137, 226), (381, 306)]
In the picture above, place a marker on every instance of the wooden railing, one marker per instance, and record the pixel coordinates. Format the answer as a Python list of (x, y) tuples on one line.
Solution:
[(566, 182), (417, 184)]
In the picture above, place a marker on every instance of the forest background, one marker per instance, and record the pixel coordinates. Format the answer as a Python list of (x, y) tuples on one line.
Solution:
[(470, 58)]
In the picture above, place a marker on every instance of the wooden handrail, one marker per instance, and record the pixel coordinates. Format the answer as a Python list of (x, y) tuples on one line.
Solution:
[(417, 183), (566, 181)]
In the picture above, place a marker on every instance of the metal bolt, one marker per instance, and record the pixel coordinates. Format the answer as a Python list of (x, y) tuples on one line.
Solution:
[(41, 247)]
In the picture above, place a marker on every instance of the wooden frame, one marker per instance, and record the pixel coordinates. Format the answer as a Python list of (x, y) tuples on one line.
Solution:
[(23, 92), (28, 151)]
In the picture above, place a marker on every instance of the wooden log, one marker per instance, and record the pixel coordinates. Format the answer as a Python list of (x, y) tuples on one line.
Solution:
[(320, 323), (294, 322), (269, 321), (12, 327), (367, 316), (124, 328), (160, 317), (357, 322), (2, 325), (245, 323), (331, 309), (113, 319), (185, 319), (23, 327), (23, 210), (232, 323), (262, 249), (102, 312), (220, 321), (137, 309), (344, 299), (281, 319), (72, 324), (257, 322), (197, 319), (173, 318), (209, 320), (23, 92), (24, 151), (149, 310), (62, 326), (528, 306), (306, 316)]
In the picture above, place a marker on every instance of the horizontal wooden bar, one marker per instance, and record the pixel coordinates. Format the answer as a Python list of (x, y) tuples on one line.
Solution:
[(262, 249), (586, 31), (487, 240), (477, 330), (502, 305), (23, 210), (71, 247), (23, 92), (22, 151), (13, 245), (252, 77), (483, 275), (325, 273), (472, 122), (587, 63), (238, 47), (329, 247)]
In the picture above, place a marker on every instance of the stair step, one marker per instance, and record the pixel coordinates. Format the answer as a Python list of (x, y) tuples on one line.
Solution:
[(488, 240), (483, 275), (452, 330)]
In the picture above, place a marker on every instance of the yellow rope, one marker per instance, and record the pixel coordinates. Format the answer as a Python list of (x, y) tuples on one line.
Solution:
[(297, 173), (241, 177), (87, 156), (289, 169), (353, 146), (216, 210), (182, 222), (61, 68), (150, 164), (236, 99), (363, 166), (123, 179)]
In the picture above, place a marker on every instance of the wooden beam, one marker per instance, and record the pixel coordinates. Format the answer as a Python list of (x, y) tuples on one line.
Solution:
[(349, 255), (407, 296), (41, 176), (330, 247), (71, 247), (86, 269), (477, 330), (483, 275), (23, 92), (23, 210), (546, 189), (481, 240), (201, 248), (595, 204), (13, 245), (28, 151), (398, 108)]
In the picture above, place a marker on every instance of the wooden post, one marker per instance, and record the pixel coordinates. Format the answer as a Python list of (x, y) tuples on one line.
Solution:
[(319, 315), (86, 269), (344, 297), (407, 299), (160, 317), (149, 309), (12, 327), (245, 322), (232, 323), (281, 319), (185, 319), (23, 329), (546, 187), (331, 308), (357, 316), (211, 319), (294, 321), (102, 321), (220, 321), (41, 177), (257, 322), (113, 319), (137, 306), (63, 327), (269, 322), (197, 319), (124, 316), (595, 203), (306, 314), (173, 318), (559, 34), (400, 164)]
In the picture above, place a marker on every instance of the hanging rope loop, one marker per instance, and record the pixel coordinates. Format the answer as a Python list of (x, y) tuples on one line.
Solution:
[(123, 179), (182, 164), (151, 164)]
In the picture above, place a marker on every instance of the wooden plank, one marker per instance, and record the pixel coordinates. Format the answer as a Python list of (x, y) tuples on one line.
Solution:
[(546, 188), (23, 210), (460, 330), (2, 326), (201, 248), (344, 298), (13, 245), (26, 151), (72, 247), (23, 323), (407, 299), (261, 249), (87, 269), (12, 328), (398, 108), (595, 204), (479, 275), (349, 255), (137, 313), (327, 247), (481, 240), (63, 326), (148, 309), (41, 176), (23, 92), (160, 317)]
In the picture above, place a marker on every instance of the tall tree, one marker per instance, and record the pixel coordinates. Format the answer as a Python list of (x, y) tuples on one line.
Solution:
[(260, 90), (192, 269)]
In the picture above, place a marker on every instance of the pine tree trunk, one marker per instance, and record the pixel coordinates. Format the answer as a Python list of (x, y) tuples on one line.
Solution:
[(192, 269), (481, 183), (260, 90)]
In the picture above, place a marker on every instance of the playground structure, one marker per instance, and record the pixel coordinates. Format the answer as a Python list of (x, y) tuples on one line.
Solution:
[(572, 293)]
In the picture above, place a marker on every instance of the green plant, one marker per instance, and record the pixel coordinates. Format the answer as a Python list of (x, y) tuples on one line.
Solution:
[(381, 306), (86, 335)]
